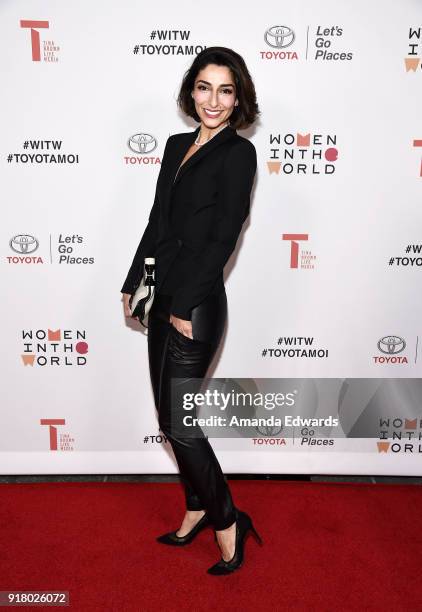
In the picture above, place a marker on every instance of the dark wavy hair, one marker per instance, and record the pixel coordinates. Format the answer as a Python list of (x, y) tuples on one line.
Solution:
[(247, 111)]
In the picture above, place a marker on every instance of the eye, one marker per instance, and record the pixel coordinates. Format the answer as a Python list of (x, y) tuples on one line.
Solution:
[(227, 91), (201, 87)]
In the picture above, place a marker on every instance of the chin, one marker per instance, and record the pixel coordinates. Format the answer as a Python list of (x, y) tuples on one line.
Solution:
[(213, 123)]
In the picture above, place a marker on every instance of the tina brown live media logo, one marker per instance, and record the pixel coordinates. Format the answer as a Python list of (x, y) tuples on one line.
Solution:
[(58, 440), (304, 259), (49, 47)]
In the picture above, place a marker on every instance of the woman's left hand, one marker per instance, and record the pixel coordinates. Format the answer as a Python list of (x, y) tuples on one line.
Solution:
[(183, 326)]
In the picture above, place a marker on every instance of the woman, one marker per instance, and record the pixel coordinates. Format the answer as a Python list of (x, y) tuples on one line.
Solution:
[(202, 200)]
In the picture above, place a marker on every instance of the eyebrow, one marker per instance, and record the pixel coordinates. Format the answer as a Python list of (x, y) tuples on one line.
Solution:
[(222, 84)]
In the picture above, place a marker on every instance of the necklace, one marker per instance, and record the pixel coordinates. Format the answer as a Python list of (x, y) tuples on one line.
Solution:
[(199, 144)]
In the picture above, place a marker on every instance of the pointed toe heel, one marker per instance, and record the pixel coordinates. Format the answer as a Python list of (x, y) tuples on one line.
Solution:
[(174, 540), (243, 526)]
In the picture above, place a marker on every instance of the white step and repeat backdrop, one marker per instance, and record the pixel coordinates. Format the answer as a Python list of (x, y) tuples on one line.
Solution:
[(324, 289)]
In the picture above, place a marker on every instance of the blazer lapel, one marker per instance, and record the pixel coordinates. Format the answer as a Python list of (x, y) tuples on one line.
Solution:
[(186, 140), (206, 148)]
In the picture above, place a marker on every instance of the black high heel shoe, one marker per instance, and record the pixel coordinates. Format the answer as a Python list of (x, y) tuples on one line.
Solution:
[(243, 525), (175, 540)]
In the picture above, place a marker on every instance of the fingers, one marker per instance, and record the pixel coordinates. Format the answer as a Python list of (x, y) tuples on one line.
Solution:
[(182, 325), (186, 330), (126, 307)]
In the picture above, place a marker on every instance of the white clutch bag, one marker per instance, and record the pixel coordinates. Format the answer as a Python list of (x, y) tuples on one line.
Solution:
[(141, 301)]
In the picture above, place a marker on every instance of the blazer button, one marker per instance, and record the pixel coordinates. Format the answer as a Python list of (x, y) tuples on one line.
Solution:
[(179, 242)]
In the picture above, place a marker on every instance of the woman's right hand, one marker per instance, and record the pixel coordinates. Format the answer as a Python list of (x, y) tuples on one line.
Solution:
[(126, 297)]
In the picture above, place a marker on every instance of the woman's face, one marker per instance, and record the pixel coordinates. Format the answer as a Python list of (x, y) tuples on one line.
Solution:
[(214, 95)]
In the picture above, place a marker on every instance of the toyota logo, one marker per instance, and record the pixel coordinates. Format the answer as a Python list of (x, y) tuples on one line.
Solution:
[(24, 244), (279, 36), (391, 345), (142, 143)]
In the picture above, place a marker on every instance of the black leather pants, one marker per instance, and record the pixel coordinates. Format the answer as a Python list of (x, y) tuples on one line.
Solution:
[(172, 354)]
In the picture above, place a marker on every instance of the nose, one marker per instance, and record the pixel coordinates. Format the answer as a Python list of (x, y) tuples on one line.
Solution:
[(214, 99)]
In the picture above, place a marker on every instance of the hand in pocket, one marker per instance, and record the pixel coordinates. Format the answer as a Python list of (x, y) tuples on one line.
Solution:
[(182, 325)]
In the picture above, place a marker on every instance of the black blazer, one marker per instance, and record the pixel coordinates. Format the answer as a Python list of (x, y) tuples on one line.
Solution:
[(214, 186)]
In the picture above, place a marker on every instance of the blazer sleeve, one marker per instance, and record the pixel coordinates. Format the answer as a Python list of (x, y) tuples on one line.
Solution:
[(236, 183), (147, 244)]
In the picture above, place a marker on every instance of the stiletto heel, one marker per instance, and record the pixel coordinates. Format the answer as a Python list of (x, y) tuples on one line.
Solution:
[(243, 525), (175, 540), (256, 534)]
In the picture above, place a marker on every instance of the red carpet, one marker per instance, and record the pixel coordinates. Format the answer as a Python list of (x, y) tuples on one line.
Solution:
[(328, 547)]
